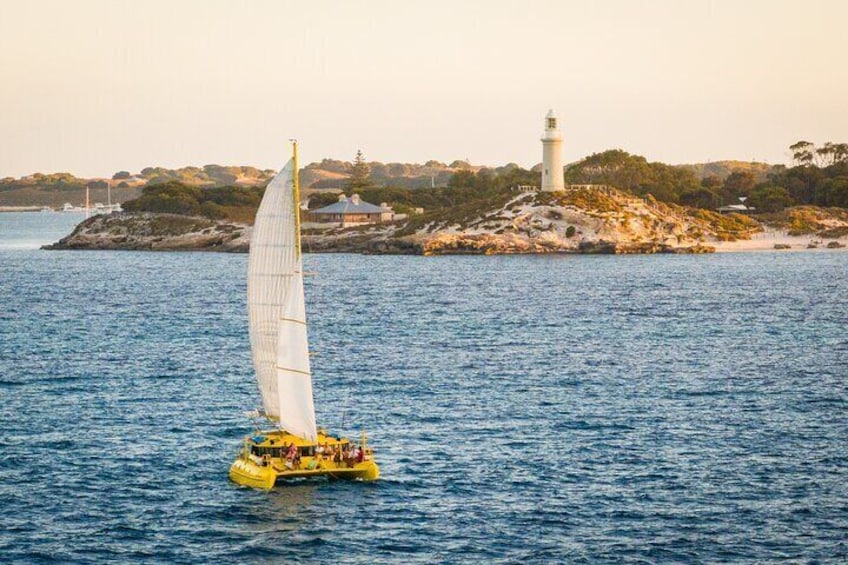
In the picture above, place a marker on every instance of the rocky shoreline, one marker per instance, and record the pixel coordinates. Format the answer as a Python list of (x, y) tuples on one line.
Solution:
[(155, 232), (169, 232)]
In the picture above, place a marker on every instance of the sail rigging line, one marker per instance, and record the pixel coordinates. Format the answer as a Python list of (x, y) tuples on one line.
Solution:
[(296, 199), (294, 371)]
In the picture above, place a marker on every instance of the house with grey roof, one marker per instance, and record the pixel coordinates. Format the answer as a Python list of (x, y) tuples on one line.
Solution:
[(352, 211)]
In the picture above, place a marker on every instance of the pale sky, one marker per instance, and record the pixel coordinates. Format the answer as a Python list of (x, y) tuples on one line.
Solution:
[(96, 86)]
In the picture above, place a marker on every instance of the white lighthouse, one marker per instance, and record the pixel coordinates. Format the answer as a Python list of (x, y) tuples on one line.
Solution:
[(552, 176)]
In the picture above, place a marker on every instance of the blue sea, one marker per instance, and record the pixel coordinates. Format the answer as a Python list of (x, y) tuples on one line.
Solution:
[(524, 409)]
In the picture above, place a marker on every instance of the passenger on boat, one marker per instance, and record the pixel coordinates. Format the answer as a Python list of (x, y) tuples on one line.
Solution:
[(290, 455), (360, 454), (350, 455)]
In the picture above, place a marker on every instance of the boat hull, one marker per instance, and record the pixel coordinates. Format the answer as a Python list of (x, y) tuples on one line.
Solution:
[(250, 474)]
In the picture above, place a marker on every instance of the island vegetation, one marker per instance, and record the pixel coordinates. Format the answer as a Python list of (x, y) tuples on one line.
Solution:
[(236, 203), (819, 177), (634, 206)]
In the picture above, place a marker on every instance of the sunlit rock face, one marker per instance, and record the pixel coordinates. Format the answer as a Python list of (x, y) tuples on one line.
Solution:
[(144, 231)]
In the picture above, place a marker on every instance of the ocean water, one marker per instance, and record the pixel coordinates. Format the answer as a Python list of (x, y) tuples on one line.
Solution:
[(525, 409)]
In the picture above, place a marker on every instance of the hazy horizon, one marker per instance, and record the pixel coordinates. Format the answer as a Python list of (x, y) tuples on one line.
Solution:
[(95, 86)]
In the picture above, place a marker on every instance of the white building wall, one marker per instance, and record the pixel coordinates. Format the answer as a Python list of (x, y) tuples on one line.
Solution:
[(552, 172)]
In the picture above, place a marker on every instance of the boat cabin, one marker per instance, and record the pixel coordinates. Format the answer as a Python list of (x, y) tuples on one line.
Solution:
[(277, 448)]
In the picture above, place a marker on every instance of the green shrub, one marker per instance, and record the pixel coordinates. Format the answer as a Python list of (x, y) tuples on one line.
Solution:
[(212, 210)]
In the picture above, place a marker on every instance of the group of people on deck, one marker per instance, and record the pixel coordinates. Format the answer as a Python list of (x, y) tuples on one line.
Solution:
[(344, 455)]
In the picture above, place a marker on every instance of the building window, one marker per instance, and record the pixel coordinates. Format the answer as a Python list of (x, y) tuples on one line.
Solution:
[(551, 123)]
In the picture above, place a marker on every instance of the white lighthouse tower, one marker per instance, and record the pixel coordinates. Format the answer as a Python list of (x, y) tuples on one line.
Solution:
[(552, 176)]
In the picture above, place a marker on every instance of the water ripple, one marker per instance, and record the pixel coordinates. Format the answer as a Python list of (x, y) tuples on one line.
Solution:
[(525, 409)]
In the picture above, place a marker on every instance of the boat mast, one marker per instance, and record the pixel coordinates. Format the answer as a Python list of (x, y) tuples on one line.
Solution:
[(296, 200)]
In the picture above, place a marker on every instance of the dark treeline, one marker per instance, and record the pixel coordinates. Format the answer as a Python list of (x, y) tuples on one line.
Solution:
[(237, 203), (463, 187), (819, 177), (56, 182)]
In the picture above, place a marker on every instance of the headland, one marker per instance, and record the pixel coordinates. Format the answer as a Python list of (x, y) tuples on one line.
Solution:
[(589, 219)]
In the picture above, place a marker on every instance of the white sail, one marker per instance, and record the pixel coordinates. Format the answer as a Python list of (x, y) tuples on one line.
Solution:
[(277, 312)]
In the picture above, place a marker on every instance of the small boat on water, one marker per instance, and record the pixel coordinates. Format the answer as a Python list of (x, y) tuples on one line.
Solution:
[(295, 447), (97, 209), (70, 208), (105, 208)]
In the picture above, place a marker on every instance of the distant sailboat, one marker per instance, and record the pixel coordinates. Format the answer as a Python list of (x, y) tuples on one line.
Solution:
[(278, 339), (98, 208)]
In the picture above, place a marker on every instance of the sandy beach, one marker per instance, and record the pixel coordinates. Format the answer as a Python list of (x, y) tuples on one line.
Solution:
[(767, 240)]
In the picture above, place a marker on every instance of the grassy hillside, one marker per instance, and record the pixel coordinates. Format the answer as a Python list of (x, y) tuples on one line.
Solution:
[(330, 173), (209, 175)]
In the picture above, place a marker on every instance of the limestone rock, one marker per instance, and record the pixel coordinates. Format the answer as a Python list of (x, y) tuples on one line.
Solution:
[(156, 232)]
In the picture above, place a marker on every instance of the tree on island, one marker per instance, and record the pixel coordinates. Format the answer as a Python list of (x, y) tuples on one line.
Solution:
[(769, 198), (360, 175), (802, 152), (738, 184), (819, 177), (805, 153), (832, 154)]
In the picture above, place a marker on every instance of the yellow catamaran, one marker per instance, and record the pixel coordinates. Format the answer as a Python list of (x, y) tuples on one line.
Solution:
[(296, 447)]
